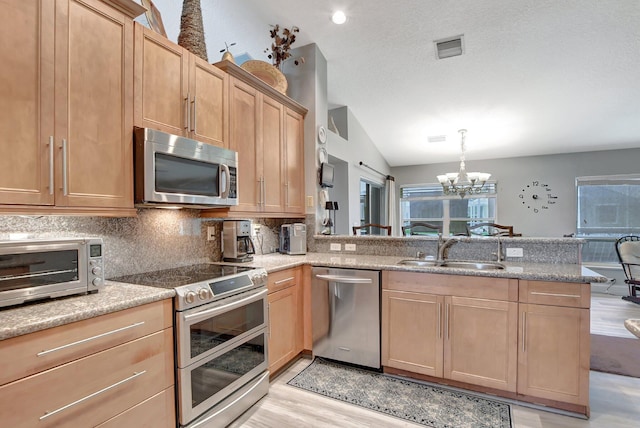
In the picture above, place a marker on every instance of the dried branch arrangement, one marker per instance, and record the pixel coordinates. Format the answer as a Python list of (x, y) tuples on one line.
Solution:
[(281, 45)]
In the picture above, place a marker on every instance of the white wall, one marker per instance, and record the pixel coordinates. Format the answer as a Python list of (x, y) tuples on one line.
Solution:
[(359, 148), (558, 171)]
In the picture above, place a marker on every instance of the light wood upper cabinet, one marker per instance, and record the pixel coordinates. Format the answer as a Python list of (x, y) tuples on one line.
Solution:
[(178, 92), (294, 162), (67, 105), (267, 130)]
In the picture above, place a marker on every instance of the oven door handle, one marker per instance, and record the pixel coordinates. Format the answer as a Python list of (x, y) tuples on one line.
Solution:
[(203, 315)]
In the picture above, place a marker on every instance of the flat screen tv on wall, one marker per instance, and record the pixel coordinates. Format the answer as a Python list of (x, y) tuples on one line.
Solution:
[(326, 175)]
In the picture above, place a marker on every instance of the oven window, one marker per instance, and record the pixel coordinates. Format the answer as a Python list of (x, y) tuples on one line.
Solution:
[(37, 269), (212, 377), (179, 175), (215, 331)]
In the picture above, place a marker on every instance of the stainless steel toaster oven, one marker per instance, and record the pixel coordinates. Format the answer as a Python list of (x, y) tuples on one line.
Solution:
[(33, 270)]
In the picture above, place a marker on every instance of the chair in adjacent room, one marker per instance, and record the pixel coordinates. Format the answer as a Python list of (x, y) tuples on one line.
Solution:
[(367, 229), (491, 229), (628, 250), (421, 228)]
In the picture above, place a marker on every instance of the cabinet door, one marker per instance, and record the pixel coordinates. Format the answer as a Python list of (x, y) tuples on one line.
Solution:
[(26, 110), (294, 162), (480, 344), (207, 99), (161, 83), (243, 138), (283, 325), (272, 141), (412, 332), (554, 353), (93, 105)]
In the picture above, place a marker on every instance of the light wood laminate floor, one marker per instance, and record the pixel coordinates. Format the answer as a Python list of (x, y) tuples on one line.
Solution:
[(608, 313), (615, 400), (615, 403)]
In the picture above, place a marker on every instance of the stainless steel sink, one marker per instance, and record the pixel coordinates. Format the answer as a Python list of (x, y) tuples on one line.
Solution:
[(412, 262), (474, 265), (453, 264)]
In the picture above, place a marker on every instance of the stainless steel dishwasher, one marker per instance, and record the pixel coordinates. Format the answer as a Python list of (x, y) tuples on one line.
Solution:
[(345, 310)]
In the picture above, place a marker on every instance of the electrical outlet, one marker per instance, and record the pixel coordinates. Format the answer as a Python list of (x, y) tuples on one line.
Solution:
[(349, 247), (211, 233), (515, 252), (310, 201), (255, 229), (335, 247)]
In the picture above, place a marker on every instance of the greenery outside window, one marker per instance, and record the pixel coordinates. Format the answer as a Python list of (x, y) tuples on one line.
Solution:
[(608, 208), (428, 203)]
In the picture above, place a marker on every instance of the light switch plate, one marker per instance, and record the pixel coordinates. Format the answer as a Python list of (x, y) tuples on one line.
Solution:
[(335, 247), (515, 252), (349, 247), (309, 201)]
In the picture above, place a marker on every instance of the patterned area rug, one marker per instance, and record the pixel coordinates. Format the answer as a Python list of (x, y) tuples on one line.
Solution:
[(416, 402)]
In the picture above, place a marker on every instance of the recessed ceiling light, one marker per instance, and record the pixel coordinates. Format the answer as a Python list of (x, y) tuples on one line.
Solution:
[(339, 17)]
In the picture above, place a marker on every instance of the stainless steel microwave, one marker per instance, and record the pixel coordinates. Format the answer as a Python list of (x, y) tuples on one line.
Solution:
[(33, 270), (173, 170)]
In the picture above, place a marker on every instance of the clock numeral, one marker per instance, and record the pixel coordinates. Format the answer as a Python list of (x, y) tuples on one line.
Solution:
[(535, 210), (552, 197), (535, 183), (547, 189), (550, 203), (521, 196), (544, 207)]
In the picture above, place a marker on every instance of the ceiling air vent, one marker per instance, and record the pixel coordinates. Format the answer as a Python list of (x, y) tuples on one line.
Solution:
[(437, 138), (451, 46)]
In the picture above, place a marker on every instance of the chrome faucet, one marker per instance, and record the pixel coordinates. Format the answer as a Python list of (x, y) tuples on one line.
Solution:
[(444, 246)]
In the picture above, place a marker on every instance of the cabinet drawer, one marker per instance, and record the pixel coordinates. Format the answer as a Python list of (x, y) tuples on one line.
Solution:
[(93, 389), (32, 353), (283, 279), (158, 411), (452, 285), (569, 294)]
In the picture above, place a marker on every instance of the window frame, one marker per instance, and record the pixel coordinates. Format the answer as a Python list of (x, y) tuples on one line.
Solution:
[(491, 192)]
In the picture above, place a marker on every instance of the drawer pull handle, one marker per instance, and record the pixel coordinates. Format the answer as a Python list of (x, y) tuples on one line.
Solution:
[(135, 375), (537, 293), (88, 339), (283, 280)]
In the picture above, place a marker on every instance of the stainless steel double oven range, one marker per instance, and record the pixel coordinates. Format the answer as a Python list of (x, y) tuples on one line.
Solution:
[(221, 325)]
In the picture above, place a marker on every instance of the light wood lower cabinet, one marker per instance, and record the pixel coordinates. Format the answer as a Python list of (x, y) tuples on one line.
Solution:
[(529, 339), (554, 342), (88, 377), (285, 317), (458, 338), (158, 411)]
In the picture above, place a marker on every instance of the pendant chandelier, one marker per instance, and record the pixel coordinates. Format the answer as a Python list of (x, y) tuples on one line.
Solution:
[(463, 182)]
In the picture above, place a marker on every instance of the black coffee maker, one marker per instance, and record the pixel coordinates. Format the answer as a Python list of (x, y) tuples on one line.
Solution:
[(237, 244)]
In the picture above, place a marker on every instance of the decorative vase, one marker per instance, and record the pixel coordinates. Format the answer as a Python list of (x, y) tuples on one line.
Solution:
[(228, 57), (267, 73)]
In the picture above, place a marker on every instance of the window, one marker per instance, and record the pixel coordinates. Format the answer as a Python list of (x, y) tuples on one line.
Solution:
[(608, 208), (372, 204), (428, 203)]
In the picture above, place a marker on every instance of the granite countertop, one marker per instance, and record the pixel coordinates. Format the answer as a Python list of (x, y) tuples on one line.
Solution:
[(117, 296), (113, 297), (531, 271), (633, 325)]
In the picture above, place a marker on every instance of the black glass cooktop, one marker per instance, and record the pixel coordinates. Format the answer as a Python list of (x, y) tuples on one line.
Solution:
[(176, 277)]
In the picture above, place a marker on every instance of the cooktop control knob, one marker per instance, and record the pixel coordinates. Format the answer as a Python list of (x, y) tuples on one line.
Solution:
[(263, 277), (204, 294), (190, 297)]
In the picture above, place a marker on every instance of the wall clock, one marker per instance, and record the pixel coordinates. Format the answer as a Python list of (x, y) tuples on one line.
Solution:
[(537, 196)]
